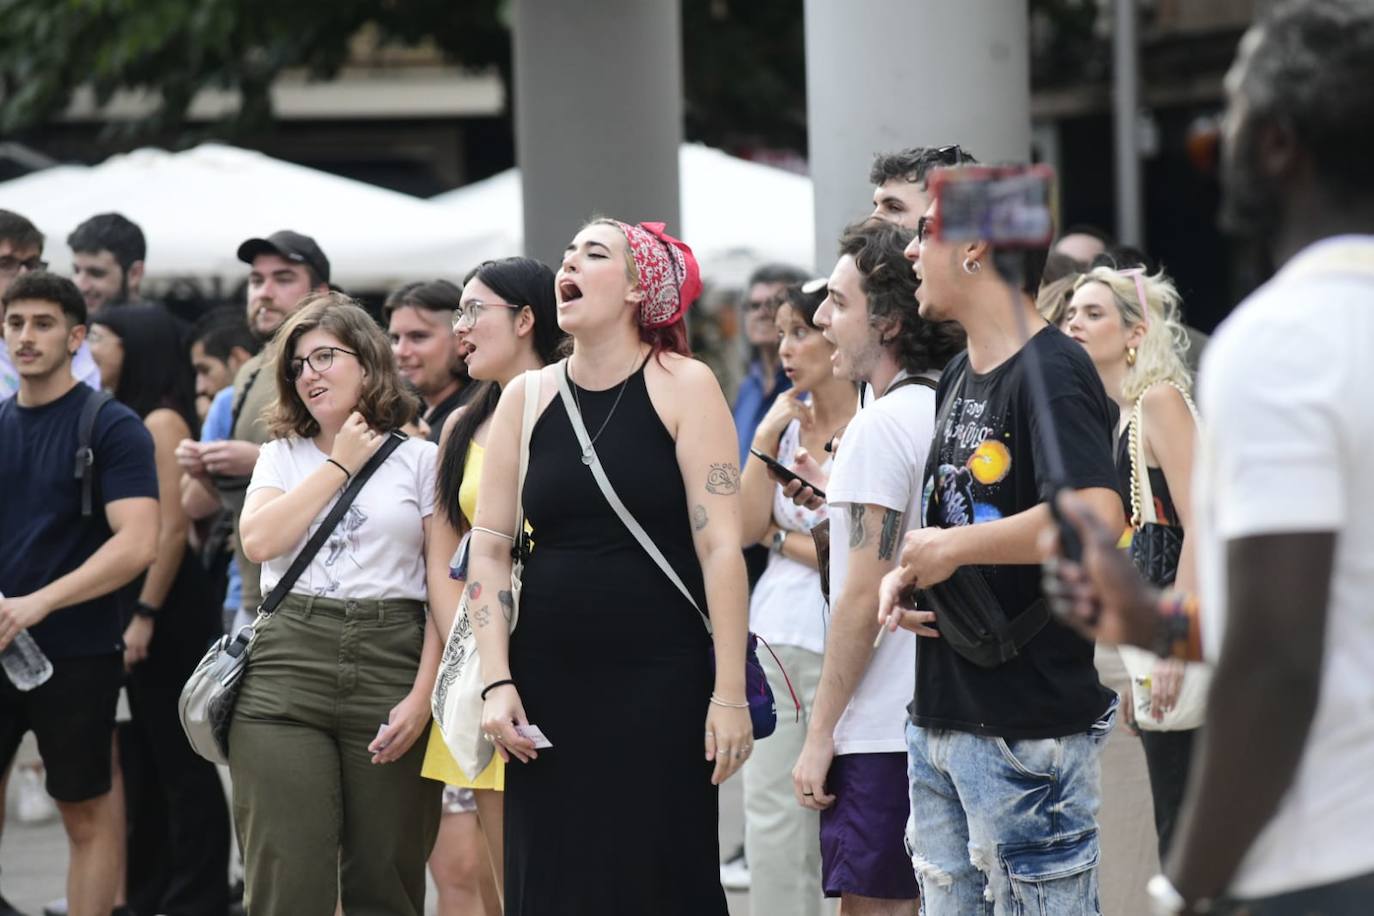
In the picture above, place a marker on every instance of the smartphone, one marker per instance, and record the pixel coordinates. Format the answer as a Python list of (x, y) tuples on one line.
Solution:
[(787, 474), (1007, 206)]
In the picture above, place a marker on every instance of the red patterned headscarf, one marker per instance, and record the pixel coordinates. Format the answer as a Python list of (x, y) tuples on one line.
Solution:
[(668, 273)]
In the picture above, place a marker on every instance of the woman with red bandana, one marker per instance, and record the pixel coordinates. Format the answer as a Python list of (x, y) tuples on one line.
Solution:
[(610, 661)]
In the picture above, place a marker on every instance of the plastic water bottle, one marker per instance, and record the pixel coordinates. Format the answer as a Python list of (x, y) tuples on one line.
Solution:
[(25, 663)]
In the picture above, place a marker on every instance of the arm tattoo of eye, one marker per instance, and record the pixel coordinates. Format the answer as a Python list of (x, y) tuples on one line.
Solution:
[(483, 616), (857, 533), (474, 591), (723, 479), (507, 604), (890, 534), (699, 518)]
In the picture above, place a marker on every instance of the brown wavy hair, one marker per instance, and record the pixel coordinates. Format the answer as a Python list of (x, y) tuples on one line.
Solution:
[(383, 402)]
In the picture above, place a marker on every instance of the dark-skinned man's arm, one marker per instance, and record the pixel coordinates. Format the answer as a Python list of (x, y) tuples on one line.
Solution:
[(1263, 699)]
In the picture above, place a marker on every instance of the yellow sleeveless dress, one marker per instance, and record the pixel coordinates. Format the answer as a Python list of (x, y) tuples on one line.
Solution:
[(439, 763)]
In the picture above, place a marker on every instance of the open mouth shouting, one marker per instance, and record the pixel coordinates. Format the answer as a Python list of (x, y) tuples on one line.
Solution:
[(568, 292)]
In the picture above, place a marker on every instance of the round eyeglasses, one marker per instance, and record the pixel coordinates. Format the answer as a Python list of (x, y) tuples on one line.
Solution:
[(468, 312), (320, 359)]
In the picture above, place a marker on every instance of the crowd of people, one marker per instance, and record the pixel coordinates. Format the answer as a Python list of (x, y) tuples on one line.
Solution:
[(1005, 445)]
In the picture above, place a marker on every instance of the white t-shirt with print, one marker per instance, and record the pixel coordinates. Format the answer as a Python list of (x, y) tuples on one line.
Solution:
[(880, 461), (378, 549), (787, 608), (1287, 431)]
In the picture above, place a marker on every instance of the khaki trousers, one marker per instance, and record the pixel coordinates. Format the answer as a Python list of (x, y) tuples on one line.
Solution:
[(316, 819), (781, 838)]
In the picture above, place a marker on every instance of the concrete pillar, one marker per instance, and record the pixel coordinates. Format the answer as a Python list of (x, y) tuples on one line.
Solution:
[(888, 74), (1130, 211), (598, 115)]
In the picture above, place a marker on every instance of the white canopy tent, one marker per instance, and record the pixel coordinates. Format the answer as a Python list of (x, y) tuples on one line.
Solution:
[(195, 207), (736, 214)]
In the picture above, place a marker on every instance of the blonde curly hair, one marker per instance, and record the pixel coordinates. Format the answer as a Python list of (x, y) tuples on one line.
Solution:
[(1159, 357)]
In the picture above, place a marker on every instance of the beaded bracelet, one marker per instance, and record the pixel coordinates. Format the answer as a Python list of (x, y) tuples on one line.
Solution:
[(1180, 632)]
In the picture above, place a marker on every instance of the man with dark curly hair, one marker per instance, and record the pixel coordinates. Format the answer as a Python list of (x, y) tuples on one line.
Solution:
[(899, 180), (852, 767)]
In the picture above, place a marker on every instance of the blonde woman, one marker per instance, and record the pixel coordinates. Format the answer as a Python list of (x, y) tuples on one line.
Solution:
[(1128, 322)]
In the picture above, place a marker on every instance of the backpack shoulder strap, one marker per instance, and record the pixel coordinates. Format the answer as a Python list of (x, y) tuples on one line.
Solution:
[(85, 453)]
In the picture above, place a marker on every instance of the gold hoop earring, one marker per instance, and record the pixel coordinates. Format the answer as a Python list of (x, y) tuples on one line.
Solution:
[(1130, 356)]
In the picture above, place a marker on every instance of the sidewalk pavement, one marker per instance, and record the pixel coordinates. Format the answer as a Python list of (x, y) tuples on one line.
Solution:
[(33, 857)]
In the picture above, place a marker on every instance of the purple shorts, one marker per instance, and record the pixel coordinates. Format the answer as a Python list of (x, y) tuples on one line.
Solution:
[(863, 834)]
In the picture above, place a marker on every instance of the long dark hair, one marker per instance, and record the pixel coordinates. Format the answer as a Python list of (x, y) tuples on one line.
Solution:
[(157, 369), (519, 281)]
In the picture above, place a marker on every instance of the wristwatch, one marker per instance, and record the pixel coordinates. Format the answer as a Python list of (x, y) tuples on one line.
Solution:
[(1165, 900), (779, 538)]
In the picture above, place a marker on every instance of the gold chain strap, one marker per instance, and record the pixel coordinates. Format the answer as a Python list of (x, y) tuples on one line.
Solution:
[(1137, 447)]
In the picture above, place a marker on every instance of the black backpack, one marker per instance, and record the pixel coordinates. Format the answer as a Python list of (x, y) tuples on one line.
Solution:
[(85, 454)]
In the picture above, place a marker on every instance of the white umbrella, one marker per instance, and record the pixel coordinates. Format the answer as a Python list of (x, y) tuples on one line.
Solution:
[(195, 207), (736, 214)]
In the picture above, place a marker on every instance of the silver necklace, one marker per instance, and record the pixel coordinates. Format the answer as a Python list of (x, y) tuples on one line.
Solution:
[(589, 453)]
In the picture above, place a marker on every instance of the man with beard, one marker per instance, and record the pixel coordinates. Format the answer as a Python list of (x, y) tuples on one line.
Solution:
[(1280, 809), (419, 319), (21, 250), (107, 260), (852, 767), (284, 267)]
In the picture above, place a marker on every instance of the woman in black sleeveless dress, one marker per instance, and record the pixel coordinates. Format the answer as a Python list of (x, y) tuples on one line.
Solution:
[(610, 660)]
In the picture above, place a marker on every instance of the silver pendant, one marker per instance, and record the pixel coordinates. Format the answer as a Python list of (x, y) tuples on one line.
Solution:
[(587, 457)]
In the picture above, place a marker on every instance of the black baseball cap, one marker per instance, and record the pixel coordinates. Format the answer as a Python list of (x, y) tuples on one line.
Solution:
[(290, 245)]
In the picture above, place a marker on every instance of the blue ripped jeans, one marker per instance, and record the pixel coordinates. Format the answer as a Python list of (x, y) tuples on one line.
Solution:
[(1005, 827)]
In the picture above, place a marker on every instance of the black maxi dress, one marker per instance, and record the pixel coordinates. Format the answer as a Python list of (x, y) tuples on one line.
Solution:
[(612, 663)]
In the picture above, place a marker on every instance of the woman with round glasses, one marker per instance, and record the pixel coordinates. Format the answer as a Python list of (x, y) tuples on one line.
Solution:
[(506, 322), (610, 660), (324, 749)]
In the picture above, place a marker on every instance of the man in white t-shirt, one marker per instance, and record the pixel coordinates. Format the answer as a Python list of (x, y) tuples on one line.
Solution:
[(1280, 809), (853, 765)]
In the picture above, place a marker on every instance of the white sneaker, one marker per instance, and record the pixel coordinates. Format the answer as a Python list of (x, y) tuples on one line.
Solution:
[(32, 804), (734, 872)]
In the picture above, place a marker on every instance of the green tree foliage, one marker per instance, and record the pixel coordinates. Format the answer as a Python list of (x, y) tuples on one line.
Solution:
[(175, 48)]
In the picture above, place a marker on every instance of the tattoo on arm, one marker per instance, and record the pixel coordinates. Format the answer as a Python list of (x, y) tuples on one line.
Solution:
[(483, 616), (474, 591), (857, 532), (699, 518), (890, 535), (723, 479), (507, 600)]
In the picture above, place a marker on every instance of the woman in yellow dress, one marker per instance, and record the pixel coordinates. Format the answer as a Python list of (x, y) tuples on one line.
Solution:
[(506, 323)]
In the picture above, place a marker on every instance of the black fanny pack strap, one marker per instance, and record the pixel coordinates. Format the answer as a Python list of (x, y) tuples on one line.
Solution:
[(1022, 628), (312, 546)]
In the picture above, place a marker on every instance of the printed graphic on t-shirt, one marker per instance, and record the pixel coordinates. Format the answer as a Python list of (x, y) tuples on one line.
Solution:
[(950, 498), (343, 548)]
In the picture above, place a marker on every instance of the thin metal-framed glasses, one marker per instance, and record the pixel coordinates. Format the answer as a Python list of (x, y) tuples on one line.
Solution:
[(469, 311), (320, 359)]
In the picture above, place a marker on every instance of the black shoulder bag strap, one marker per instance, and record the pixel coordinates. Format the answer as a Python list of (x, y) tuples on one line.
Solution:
[(85, 454), (239, 398), (312, 546)]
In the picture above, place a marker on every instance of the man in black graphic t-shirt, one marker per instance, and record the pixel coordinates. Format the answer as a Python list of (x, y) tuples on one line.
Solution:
[(1003, 760)]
